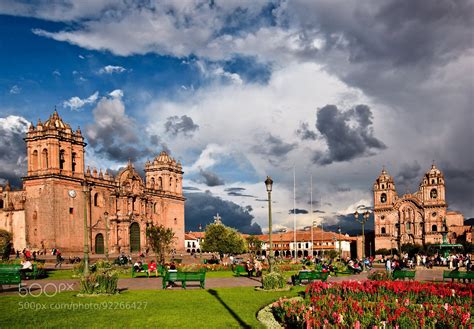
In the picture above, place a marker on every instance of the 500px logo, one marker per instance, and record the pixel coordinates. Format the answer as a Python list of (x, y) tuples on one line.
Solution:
[(49, 289)]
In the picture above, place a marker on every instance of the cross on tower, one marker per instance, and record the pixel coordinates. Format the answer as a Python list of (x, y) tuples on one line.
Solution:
[(217, 219)]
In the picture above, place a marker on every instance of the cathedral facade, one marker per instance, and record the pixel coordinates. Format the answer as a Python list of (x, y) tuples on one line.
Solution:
[(59, 194), (417, 218)]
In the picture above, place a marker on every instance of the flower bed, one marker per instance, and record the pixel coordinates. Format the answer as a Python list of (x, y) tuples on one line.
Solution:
[(375, 304)]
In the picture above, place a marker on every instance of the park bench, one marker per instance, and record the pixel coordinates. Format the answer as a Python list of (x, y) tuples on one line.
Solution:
[(10, 274), (183, 277), (240, 269), (402, 274), (311, 276), (458, 275)]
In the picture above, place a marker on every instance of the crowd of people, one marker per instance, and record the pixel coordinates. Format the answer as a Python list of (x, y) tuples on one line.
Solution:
[(452, 261)]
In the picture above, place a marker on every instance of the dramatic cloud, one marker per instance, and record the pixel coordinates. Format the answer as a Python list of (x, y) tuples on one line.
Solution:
[(305, 133), (210, 179), (75, 103), (348, 134), (274, 147), (109, 69), (238, 191), (114, 135), (12, 149), (408, 177), (298, 211), (202, 207), (183, 125)]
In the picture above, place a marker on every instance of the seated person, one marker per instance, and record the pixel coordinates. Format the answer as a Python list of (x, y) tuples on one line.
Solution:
[(258, 268), (354, 267), (138, 266), (152, 268), (249, 268), (27, 266), (172, 268)]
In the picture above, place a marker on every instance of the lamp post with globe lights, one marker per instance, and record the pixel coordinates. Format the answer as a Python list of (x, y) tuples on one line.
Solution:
[(363, 220), (268, 185)]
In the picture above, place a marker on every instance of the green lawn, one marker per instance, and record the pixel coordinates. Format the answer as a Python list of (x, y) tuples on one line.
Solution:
[(212, 308)]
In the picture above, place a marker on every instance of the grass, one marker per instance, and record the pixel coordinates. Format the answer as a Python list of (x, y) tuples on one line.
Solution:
[(211, 308)]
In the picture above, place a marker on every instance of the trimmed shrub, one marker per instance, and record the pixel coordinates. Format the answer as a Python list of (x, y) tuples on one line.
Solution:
[(379, 276), (273, 280)]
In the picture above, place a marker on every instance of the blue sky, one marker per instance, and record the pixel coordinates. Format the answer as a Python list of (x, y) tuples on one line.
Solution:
[(238, 90)]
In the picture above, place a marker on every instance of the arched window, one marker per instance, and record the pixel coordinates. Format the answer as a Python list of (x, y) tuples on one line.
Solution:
[(383, 198), (1, 204), (73, 162), (408, 226), (382, 230), (96, 199), (34, 160), (152, 186), (171, 183), (154, 208), (45, 160), (434, 228), (61, 159), (160, 183), (383, 186), (434, 193)]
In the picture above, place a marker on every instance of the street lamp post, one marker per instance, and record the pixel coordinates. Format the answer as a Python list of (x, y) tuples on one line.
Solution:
[(200, 244), (86, 238), (106, 217), (312, 238), (340, 248), (365, 217), (268, 184)]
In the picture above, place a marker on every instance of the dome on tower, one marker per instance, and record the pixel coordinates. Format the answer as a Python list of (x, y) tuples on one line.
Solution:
[(434, 172), (55, 121), (163, 157), (384, 177)]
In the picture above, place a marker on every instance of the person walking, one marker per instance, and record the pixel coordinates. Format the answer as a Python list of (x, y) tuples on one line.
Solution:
[(388, 265)]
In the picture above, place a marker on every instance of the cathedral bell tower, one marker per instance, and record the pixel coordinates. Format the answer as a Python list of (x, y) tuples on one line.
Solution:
[(164, 175), (432, 188), (53, 148), (384, 191)]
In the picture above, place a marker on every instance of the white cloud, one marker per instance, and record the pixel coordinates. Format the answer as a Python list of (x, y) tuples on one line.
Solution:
[(117, 93), (15, 90), (109, 69), (75, 103), (57, 73)]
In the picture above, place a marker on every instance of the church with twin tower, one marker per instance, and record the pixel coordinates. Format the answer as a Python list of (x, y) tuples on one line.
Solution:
[(415, 218), (59, 192)]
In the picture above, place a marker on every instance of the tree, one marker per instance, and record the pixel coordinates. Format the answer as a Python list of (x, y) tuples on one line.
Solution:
[(223, 240), (5, 244), (254, 244), (161, 240)]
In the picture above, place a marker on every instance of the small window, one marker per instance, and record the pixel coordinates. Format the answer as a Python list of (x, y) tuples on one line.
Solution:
[(382, 230), (432, 181), (73, 162), (71, 211), (96, 199), (434, 193), (382, 217), (434, 228), (175, 221), (433, 214), (383, 198), (1, 204), (61, 160)]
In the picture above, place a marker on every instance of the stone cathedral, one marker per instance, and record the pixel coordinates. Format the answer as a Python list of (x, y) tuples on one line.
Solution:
[(417, 218), (59, 193)]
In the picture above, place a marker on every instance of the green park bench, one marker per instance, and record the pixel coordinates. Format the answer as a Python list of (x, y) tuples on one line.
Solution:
[(402, 274), (10, 274), (458, 275), (311, 276), (183, 277), (239, 270)]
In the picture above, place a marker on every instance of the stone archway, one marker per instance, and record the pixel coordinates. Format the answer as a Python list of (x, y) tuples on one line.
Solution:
[(134, 237)]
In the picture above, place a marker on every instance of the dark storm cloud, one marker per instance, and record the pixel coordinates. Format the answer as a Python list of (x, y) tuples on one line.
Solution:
[(319, 211), (159, 144), (183, 125), (200, 208), (274, 147), (349, 225), (114, 135), (459, 183), (12, 149), (237, 191), (210, 179), (305, 133), (298, 211), (348, 134), (408, 177), (191, 188)]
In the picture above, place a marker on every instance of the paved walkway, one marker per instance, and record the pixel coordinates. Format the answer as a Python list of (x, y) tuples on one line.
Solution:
[(152, 283)]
